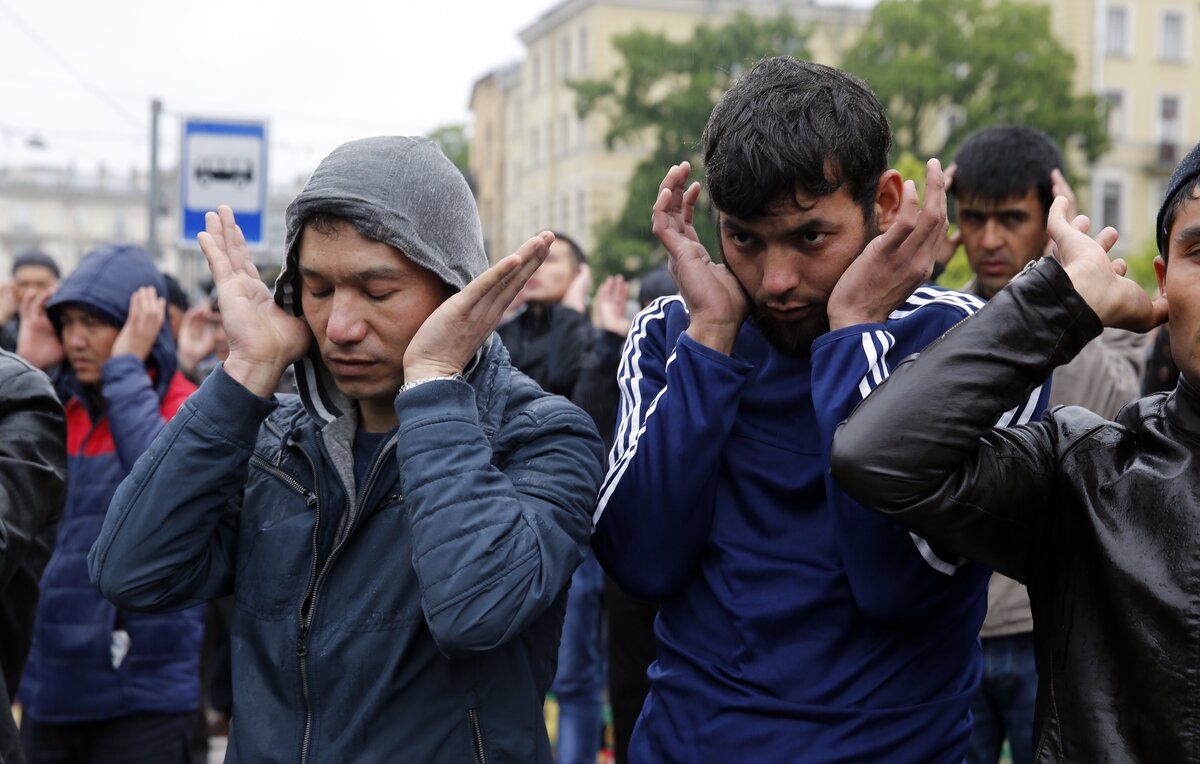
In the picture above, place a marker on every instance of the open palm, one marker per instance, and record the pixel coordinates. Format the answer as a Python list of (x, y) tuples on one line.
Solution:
[(261, 335)]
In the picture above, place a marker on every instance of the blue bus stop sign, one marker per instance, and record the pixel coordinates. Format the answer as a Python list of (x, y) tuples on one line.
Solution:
[(223, 162)]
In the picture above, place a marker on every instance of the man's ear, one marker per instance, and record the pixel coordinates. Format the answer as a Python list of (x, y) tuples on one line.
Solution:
[(888, 196), (1160, 270)]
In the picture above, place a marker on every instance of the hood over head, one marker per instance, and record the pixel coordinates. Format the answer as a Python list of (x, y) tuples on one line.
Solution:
[(397, 190), (102, 283)]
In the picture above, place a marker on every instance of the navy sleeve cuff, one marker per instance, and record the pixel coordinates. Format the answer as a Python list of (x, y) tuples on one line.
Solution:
[(228, 405), (855, 330)]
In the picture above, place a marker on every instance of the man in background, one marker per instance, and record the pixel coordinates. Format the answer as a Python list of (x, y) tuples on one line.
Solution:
[(34, 273), (1004, 180), (105, 683)]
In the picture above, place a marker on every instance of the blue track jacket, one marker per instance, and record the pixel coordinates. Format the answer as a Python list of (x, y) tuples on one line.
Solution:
[(796, 625)]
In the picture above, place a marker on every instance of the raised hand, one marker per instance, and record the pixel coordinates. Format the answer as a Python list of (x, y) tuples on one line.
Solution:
[(197, 340), (1060, 187), (949, 244), (578, 290), (1118, 301), (263, 339), (715, 300), (608, 306), (147, 311), (37, 342), (449, 338), (895, 262), (8, 301)]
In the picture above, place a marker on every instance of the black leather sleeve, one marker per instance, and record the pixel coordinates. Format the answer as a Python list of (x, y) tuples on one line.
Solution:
[(924, 446), (33, 459)]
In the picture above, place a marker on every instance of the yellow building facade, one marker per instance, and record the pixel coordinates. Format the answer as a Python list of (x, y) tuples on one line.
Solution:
[(537, 165), (1140, 57), (557, 173)]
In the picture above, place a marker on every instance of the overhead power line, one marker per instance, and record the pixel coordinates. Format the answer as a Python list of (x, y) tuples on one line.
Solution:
[(62, 60)]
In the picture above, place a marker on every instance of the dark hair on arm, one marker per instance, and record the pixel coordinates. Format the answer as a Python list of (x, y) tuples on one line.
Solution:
[(791, 127), (1004, 162)]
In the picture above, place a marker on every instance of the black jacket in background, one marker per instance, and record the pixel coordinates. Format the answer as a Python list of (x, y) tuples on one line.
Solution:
[(33, 472), (1100, 520), (548, 343)]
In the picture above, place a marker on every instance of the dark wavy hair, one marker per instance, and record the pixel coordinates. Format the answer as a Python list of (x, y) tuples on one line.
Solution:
[(791, 127)]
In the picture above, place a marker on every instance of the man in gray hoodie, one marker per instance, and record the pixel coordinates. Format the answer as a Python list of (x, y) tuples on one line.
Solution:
[(399, 537)]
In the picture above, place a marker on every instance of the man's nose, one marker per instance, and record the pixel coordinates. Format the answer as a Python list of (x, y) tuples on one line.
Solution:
[(346, 324), (991, 239), (780, 274), (73, 337)]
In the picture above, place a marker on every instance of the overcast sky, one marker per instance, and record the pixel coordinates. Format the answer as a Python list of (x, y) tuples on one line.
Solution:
[(79, 74)]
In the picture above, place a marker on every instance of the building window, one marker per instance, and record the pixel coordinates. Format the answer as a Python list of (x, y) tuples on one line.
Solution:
[(564, 214), (1110, 204), (535, 73), (1117, 116), (119, 231), (583, 50), (580, 214), (533, 147), (581, 134), (564, 137), (20, 219), (1116, 31), (535, 219), (1170, 42), (1170, 129), (564, 59)]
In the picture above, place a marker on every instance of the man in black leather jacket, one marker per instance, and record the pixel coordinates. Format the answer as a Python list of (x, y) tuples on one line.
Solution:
[(33, 472), (1099, 519)]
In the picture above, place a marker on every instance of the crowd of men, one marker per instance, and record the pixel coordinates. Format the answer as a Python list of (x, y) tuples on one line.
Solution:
[(805, 506)]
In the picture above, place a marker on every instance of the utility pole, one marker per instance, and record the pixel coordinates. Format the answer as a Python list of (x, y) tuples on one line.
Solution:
[(154, 194)]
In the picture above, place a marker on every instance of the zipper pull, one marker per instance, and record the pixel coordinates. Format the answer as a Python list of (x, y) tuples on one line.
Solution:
[(302, 642)]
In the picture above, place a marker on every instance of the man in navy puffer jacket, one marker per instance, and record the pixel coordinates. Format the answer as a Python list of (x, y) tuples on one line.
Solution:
[(400, 536), (103, 683)]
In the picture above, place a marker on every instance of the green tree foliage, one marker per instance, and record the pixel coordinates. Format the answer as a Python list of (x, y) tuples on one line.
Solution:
[(455, 143), (996, 61), (662, 96)]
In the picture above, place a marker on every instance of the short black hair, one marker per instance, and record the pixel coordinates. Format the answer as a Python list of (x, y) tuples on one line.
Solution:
[(328, 224), (576, 250), (35, 257), (1004, 162), (791, 127), (175, 293)]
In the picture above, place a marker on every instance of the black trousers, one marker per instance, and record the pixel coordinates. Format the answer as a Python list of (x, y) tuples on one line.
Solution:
[(137, 739), (631, 650)]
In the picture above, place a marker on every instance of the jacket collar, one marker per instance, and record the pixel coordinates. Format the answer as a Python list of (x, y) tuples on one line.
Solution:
[(1183, 408)]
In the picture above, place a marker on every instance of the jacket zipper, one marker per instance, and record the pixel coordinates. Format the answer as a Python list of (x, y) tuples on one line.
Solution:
[(302, 635), (309, 496), (477, 733), (308, 605)]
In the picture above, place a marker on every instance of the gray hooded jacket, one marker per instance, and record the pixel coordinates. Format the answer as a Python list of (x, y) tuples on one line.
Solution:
[(430, 632)]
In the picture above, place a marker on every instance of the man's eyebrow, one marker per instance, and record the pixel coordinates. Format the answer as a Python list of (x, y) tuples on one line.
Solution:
[(378, 273), (1189, 234)]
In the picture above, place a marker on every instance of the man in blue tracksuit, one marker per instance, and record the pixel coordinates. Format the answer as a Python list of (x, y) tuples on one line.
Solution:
[(795, 625), (398, 538)]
